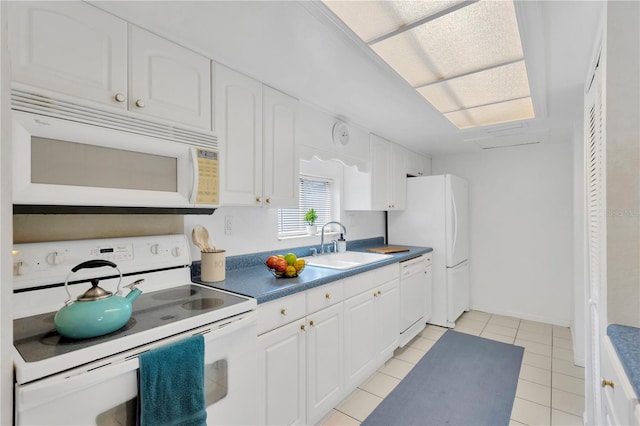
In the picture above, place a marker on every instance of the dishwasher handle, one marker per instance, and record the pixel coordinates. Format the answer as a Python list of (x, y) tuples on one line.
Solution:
[(412, 266)]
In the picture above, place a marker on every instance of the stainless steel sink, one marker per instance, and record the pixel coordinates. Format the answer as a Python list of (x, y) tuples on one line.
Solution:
[(345, 260)]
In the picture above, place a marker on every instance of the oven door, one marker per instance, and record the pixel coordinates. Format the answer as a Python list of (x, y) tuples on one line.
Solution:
[(105, 392), (60, 162)]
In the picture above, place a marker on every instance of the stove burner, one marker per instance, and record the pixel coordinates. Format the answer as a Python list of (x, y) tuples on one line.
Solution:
[(36, 339), (52, 338), (179, 293), (202, 304)]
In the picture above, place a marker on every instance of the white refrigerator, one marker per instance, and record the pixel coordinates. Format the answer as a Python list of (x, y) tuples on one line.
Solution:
[(437, 216)]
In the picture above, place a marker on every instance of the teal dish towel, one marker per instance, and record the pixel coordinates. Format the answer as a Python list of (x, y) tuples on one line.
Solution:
[(171, 385)]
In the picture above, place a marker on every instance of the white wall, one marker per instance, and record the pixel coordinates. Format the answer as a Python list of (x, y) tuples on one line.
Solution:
[(622, 110), (6, 314), (579, 246), (521, 229)]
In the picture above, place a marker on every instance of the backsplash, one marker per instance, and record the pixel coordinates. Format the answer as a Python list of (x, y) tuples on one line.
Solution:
[(254, 259), (33, 228)]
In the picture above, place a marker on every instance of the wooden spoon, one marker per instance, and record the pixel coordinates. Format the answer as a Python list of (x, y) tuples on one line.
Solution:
[(200, 237)]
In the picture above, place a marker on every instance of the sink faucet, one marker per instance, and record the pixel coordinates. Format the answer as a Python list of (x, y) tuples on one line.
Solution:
[(344, 231)]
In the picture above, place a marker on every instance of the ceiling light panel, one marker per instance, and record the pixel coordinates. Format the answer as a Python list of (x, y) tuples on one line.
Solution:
[(477, 36), (502, 112), (372, 19), (486, 87), (465, 57)]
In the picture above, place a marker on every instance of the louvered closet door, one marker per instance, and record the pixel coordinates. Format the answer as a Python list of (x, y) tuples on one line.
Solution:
[(596, 234)]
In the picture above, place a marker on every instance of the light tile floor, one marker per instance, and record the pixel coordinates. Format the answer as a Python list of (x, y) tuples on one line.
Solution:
[(550, 387)]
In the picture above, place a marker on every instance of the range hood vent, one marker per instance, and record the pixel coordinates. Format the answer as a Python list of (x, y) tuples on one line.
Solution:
[(52, 106)]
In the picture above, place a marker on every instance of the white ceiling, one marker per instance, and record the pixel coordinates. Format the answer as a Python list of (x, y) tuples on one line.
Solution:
[(302, 49)]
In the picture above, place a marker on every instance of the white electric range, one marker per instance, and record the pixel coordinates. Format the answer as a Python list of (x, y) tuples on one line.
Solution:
[(66, 381)]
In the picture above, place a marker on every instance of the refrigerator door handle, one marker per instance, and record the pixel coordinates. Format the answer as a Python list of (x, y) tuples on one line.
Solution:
[(455, 224)]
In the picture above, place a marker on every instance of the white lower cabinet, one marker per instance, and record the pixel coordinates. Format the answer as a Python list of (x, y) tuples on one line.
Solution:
[(619, 401), (387, 305), (428, 281), (317, 346), (324, 361), (371, 331), (282, 375), (360, 338)]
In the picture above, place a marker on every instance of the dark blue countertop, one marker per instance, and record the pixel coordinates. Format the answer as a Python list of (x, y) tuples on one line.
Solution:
[(626, 341), (249, 276)]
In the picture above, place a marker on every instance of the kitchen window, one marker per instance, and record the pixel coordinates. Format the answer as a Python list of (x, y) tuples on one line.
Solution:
[(315, 193)]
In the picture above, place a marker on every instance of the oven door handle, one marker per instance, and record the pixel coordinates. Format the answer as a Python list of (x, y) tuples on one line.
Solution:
[(57, 387)]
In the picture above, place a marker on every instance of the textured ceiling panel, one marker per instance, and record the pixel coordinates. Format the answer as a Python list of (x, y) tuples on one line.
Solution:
[(372, 19), (495, 85), (480, 35), (503, 112)]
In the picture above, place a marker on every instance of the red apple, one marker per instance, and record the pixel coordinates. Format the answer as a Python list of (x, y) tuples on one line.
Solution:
[(280, 265), (271, 260)]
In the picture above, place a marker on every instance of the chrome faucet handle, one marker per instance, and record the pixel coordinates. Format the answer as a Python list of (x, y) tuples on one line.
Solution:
[(314, 251), (335, 245)]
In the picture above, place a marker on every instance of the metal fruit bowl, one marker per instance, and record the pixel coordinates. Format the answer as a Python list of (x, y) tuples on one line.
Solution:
[(283, 274)]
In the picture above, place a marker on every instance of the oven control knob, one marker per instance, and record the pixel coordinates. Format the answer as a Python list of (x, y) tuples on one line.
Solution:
[(54, 258), (155, 248), (176, 251)]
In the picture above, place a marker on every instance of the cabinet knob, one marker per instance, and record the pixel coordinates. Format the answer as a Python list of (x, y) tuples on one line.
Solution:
[(379, 293), (268, 200), (258, 199), (375, 294), (311, 323), (283, 311), (302, 327), (606, 383), (327, 296), (119, 97), (140, 103)]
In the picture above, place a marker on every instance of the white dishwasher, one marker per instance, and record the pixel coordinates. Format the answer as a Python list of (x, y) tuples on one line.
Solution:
[(413, 297)]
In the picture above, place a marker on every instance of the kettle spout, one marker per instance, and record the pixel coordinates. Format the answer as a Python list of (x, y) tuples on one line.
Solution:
[(135, 291)]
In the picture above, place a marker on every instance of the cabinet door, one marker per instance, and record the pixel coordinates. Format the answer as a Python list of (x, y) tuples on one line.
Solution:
[(280, 174), (428, 282), (380, 185), (325, 357), (398, 178), (618, 397), (387, 315), (70, 48), (360, 338), (418, 165), (282, 380), (238, 124), (169, 81)]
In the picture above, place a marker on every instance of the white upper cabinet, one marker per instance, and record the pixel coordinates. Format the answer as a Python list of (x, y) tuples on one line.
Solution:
[(169, 81), (256, 125), (384, 186), (81, 52), (238, 124), (380, 172), (281, 165), (69, 47), (418, 165), (397, 195)]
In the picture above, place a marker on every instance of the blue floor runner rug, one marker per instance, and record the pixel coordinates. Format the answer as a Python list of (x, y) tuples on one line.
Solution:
[(462, 380)]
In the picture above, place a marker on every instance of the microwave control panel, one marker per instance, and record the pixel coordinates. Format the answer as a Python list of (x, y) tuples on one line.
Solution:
[(208, 176)]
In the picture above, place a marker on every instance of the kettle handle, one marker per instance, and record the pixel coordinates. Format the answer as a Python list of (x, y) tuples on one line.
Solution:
[(94, 263)]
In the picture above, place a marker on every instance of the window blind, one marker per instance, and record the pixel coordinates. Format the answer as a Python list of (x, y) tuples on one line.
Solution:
[(315, 193)]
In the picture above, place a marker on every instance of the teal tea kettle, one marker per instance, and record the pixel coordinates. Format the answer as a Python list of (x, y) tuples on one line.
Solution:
[(97, 311)]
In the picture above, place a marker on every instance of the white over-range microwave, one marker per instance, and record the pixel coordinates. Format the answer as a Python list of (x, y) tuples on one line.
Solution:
[(101, 162)]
